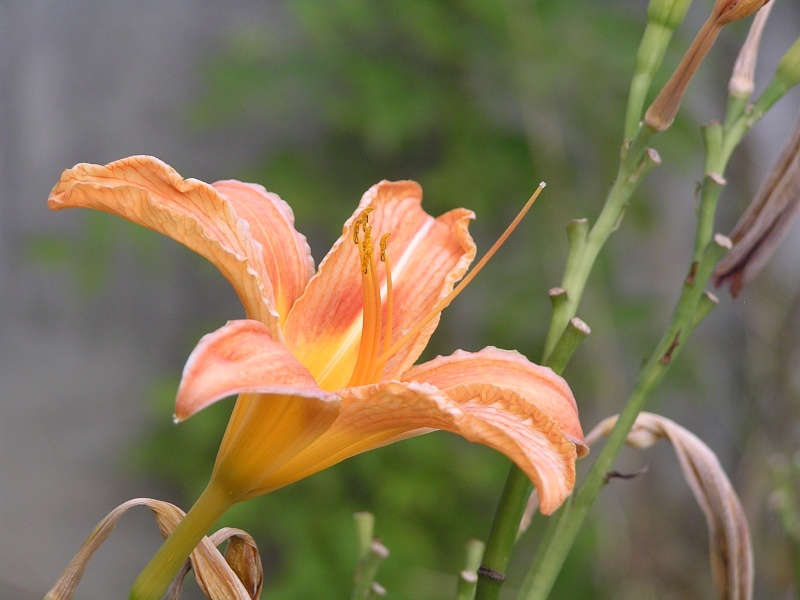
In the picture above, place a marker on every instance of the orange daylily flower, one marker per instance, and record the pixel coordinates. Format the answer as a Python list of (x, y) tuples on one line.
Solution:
[(324, 362)]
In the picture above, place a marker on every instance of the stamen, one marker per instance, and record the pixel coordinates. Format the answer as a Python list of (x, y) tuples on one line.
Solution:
[(371, 305), (445, 302), (366, 245), (378, 363), (363, 218)]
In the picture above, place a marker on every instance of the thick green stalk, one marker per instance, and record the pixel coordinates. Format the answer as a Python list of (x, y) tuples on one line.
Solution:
[(155, 578), (563, 528), (367, 569), (637, 160), (584, 248), (503, 534)]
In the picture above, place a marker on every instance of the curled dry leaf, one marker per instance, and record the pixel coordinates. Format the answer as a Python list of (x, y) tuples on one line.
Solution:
[(237, 576), (729, 534)]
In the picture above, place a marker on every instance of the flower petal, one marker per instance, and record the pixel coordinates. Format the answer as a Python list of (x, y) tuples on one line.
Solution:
[(264, 433), (376, 415), (508, 370), (241, 357), (150, 193), (287, 256), (427, 256)]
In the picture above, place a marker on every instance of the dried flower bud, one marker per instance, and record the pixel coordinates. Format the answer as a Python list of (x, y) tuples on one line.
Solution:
[(728, 11), (741, 82), (766, 220), (664, 108)]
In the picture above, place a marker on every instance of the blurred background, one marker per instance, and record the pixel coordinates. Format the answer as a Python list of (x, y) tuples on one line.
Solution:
[(478, 100)]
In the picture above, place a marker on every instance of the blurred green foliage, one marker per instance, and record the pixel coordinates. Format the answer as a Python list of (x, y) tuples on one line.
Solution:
[(90, 257)]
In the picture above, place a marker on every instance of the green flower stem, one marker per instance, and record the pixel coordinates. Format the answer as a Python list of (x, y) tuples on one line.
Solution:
[(637, 160), (692, 306), (468, 578), (503, 534), (467, 584), (651, 51), (365, 527), (737, 105), (564, 526), (575, 332), (577, 232), (367, 569), (663, 18), (707, 303), (474, 555), (155, 578)]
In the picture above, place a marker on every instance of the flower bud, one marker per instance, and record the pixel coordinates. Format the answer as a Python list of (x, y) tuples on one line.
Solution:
[(664, 108), (728, 11), (741, 83)]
